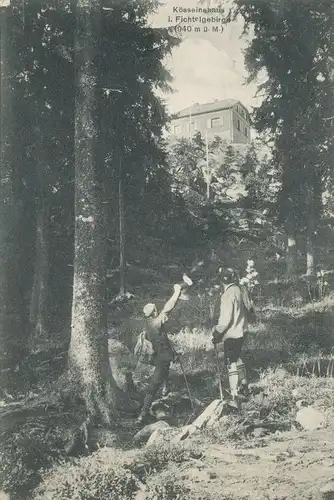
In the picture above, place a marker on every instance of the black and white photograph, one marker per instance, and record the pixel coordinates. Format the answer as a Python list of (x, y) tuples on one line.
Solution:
[(166, 250)]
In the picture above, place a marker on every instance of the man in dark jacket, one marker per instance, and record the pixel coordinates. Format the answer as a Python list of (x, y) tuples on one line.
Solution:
[(163, 352)]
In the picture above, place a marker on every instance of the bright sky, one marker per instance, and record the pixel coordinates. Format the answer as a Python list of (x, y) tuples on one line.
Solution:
[(206, 66)]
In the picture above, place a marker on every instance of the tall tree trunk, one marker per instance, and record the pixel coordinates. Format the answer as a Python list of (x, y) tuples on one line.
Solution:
[(121, 238), (39, 295), (11, 297), (291, 238), (291, 254), (310, 233), (88, 352), (207, 189)]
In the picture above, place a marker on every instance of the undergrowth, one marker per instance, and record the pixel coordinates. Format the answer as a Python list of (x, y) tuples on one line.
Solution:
[(114, 475), (298, 338)]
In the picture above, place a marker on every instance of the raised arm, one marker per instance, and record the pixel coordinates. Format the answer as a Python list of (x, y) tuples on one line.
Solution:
[(171, 303)]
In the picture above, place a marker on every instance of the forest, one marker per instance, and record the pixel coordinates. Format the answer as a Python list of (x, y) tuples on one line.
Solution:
[(100, 213)]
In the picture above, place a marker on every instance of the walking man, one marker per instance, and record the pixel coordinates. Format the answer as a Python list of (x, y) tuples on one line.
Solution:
[(231, 329), (162, 352)]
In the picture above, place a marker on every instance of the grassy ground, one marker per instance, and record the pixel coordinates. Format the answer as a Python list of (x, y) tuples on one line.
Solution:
[(258, 452), (233, 461)]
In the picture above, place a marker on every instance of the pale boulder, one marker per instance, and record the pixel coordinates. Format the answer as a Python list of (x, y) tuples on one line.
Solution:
[(309, 418), (144, 433)]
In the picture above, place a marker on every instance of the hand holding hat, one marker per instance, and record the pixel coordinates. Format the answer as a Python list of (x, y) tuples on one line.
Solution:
[(187, 282)]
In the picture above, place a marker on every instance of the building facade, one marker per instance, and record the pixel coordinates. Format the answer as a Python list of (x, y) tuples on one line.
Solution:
[(227, 118)]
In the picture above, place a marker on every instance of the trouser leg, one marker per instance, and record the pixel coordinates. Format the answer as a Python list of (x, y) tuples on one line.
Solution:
[(160, 375), (235, 366), (165, 387), (130, 385)]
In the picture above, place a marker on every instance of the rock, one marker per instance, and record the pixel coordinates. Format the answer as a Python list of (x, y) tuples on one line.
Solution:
[(148, 430), (259, 432), (159, 408), (185, 432), (161, 415), (327, 491), (309, 418), (4, 496), (301, 403), (210, 415), (141, 495), (161, 436)]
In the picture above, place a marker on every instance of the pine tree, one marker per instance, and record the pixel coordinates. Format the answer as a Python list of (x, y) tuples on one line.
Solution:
[(293, 43), (88, 353)]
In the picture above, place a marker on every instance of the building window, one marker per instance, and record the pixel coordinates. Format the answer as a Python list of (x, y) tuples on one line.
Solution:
[(246, 131), (238, 124), (215, 122), (177, 129)]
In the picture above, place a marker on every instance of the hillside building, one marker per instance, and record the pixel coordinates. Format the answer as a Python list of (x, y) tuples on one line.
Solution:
[(227, 118)]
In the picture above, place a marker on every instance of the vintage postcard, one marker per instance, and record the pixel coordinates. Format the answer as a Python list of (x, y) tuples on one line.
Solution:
[(166, 249)]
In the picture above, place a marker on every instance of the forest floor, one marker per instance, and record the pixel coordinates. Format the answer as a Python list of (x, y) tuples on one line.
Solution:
[(294, 466), (261, 451)]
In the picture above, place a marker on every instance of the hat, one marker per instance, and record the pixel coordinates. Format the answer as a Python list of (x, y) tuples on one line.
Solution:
[(149, 309), (228, 275), (187, 280)]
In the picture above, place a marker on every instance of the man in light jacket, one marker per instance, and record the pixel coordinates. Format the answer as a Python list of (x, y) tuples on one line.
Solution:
[(231, 329)]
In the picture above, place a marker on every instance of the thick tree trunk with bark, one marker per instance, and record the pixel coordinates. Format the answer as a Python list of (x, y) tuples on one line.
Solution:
[(11, 297), (39, 295), (88, 353), (121, 238)]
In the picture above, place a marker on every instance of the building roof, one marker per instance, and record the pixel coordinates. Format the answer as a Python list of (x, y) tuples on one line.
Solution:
[(197, 108)]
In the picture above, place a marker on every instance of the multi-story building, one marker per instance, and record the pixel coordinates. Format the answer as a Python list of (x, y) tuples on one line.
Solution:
[(227, 118)]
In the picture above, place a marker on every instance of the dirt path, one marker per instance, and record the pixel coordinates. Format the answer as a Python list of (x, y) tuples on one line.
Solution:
[(295, 467)]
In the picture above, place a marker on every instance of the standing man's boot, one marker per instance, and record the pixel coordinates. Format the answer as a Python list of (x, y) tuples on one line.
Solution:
[(233, 378), (242, 378), (145, 409)]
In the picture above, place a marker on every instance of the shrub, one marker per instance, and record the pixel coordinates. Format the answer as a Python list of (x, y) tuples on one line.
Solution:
[(23, 455), (34, 435), (97, 477), (168, 490), (155, 458)]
